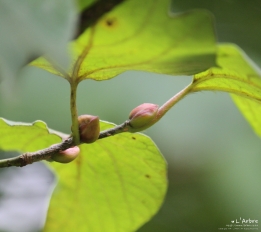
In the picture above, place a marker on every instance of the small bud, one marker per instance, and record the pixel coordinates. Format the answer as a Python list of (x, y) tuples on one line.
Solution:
[(142, 116), (89, 128), (67, 155)]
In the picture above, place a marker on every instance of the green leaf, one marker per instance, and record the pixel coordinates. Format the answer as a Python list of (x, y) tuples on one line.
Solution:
[(140, 35), (237, 76), (120, 180), (116, 184), (26, 137), (32, 28)]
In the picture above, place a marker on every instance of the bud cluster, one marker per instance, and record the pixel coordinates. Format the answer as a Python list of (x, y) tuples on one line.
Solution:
[(89, 130)]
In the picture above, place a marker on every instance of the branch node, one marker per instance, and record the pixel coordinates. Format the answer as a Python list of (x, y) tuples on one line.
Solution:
[(26, 159)]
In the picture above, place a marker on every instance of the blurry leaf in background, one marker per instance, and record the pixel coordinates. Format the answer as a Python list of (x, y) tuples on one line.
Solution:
[(116, 184), (29, 29), (236, 76), (26, 137), (140, 35), (235, 21)]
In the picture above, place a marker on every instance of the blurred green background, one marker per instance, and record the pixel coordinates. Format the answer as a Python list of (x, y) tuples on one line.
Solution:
[(213, 155)]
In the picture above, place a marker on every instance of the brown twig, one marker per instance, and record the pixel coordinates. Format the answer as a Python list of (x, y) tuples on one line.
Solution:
[(31, 157), (47, 153)]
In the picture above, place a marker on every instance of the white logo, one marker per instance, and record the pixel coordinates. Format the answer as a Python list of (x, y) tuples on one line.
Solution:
[(250, 224)]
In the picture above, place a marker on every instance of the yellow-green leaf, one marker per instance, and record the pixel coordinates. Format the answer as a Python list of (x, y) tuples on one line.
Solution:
[(26, 137), (237, 76), (115, 185), (141, 35)]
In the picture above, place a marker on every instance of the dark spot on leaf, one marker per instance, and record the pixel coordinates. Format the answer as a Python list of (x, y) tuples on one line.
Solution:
[(94, 12), (110, 22), (133, 138), (147, 176)]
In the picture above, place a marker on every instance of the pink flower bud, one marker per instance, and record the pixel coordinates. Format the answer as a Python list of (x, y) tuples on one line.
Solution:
[(142, 116), (67, 155), (89, 128)]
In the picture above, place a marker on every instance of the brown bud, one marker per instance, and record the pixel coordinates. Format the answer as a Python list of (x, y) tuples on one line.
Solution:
[(89, 128), (142, 116)]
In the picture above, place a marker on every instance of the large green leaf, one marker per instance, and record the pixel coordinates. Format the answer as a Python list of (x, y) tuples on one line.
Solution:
[(32, 28), (26, 137), (237, 76), (115, 185), (140, 35), (245, 32)]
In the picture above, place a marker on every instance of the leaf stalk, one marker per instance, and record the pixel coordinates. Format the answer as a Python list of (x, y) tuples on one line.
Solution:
[(74, 114)]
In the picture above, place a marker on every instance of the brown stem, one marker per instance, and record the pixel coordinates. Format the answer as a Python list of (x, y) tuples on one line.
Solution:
[(124, 127), (31, 157), (46, 154)]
